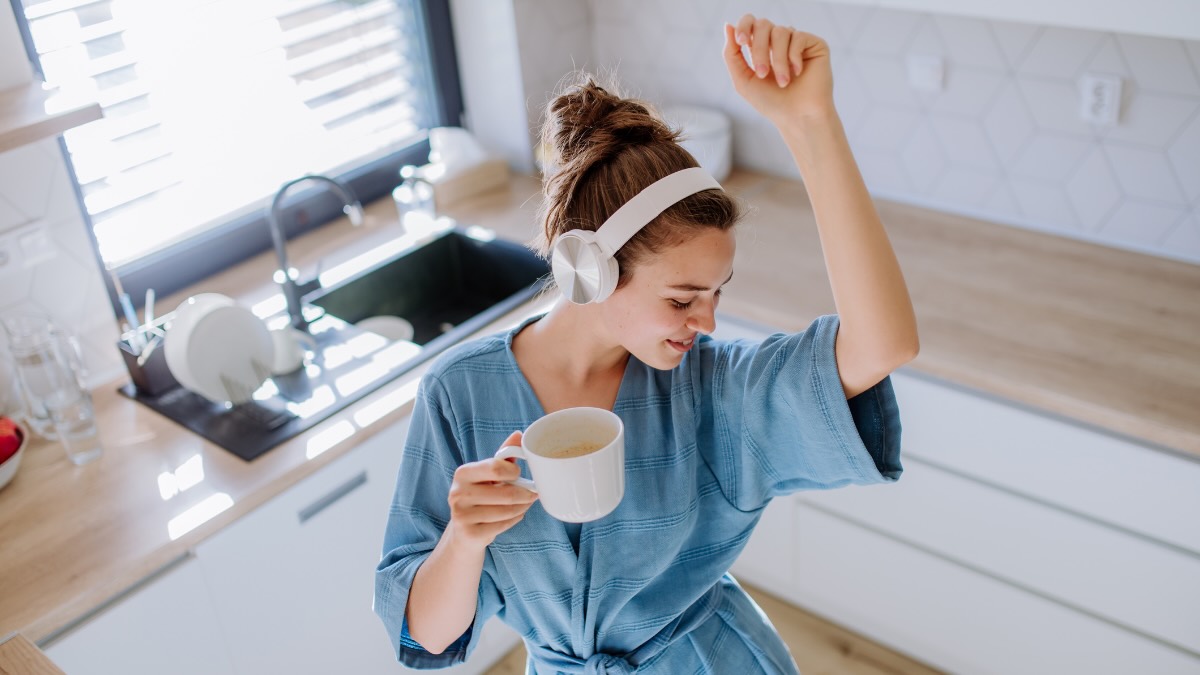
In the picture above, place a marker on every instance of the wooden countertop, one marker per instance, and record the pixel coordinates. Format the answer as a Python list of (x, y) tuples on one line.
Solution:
[(1105, 337)]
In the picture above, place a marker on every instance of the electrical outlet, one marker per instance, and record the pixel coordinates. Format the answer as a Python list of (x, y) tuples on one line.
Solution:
[(1100, 99)]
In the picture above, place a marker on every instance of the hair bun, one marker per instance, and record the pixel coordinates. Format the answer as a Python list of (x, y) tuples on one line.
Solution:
[(589, 124)]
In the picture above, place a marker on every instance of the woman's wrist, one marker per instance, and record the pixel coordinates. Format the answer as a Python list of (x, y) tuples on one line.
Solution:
[(812, 136)]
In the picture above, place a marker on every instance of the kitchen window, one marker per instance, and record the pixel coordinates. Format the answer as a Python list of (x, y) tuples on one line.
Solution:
[(211, 105)]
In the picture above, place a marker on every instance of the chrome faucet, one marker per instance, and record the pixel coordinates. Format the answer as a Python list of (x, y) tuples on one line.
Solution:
[(287, 276)]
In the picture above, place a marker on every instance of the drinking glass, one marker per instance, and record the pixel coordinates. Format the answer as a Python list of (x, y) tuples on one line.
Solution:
[(51, 378)]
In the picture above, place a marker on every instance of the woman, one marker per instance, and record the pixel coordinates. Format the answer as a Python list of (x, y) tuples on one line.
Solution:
[(714, 430)]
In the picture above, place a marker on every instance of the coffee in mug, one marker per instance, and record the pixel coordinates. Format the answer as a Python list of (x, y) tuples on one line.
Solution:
[(577, 459)]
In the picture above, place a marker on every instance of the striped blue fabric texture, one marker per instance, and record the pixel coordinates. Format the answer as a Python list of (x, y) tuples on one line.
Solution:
[(708, 445)]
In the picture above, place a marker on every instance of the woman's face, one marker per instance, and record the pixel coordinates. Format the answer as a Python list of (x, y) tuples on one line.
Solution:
[(671, 298)]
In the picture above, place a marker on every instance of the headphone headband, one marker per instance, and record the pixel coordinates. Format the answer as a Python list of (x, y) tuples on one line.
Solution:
[(648, 204), (583, 261)]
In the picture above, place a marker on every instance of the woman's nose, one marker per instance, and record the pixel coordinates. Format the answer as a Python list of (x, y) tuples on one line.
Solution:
[(704, 319)]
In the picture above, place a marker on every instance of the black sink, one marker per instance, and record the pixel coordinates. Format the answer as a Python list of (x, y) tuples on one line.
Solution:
[(447, 287)]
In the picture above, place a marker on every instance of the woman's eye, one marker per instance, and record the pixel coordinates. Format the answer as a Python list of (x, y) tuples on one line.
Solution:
[(680, 305)]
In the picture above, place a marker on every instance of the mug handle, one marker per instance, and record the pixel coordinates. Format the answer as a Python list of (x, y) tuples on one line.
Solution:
[(516, 452)]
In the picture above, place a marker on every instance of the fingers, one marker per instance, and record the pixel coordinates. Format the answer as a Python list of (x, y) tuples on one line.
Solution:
[(745, 27), (760, 47), (796, 54), (514, 439), (734, 61), (487, 471), (781, 37), (778, 49)]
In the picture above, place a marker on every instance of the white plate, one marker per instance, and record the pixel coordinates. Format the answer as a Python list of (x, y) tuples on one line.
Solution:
[(219, 350)]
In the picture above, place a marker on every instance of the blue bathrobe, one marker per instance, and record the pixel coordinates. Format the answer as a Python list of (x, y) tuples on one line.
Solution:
[(646, 588)]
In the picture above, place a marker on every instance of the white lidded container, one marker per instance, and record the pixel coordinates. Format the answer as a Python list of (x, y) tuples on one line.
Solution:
[(706, 134)]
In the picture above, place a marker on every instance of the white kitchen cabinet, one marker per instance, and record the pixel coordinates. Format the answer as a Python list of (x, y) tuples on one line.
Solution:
[(167, 625), (1159, 18), (955, 618), (292, 582), (1015, 542)]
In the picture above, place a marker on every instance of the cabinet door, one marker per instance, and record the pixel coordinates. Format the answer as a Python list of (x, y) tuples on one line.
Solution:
[(292, 582), (166, 626), (954, 617)]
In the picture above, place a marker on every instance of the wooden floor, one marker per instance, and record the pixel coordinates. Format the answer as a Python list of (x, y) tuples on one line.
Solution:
[(819, 647)]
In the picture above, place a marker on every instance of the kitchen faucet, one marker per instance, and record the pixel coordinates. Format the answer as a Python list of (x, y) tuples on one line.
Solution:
[(293, 289)]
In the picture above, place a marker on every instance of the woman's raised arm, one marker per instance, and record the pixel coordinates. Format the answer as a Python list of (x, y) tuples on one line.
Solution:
[(792, 86)]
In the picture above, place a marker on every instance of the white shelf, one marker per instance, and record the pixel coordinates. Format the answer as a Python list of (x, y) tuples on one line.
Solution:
[(1160, 18), (28, 113)]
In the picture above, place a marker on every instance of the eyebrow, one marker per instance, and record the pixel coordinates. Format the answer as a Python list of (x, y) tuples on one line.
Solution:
[(694, 287)]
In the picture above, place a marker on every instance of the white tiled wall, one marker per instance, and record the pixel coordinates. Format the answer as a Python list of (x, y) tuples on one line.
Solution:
[(35, 192), (1002, 141)]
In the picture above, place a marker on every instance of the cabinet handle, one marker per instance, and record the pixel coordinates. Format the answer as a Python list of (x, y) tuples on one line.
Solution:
[(335, 494)]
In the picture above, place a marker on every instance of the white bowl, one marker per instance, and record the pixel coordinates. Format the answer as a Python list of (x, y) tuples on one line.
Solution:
[(219, 349), (9, 468), (391, 327), (706, 134)]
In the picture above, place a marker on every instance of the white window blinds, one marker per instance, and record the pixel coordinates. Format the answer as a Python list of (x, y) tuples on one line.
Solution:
[(210, 105)]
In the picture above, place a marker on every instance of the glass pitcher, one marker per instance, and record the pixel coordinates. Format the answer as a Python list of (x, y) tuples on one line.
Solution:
[(48, 367)]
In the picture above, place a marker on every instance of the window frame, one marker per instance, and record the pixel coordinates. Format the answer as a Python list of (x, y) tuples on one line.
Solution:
[(189, 262)]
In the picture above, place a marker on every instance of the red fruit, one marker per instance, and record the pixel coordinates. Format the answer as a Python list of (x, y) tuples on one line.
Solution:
[(10, 439)]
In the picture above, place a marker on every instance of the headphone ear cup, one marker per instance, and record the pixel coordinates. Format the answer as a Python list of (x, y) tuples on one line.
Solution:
[(581, 270), (608, 279)]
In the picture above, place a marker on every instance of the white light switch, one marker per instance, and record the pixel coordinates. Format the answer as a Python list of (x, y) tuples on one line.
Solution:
[(926, 73)]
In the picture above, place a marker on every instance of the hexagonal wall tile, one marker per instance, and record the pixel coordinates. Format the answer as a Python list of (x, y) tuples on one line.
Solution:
[(1159, 64), (1184, 240), (1050, 157), (1014, 39), (1151, 119), (964, 188), (1008, 123), (1143, 172), (1184, 156), (1093, 190), (1141, 223), (924, 159), (25, 178), (1059, 52), (886, 32), (1044, 205), (969, 42), (964, 142)]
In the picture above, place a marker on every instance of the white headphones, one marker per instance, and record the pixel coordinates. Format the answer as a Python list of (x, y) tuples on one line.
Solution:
[(582, 260)]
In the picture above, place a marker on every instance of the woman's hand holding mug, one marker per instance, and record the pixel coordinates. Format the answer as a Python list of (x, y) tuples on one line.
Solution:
[(484, 502)]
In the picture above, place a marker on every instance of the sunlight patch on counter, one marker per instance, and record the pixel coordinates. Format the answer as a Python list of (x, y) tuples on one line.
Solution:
[(187, 475), (198, 515), (377, 410), (329, 438)]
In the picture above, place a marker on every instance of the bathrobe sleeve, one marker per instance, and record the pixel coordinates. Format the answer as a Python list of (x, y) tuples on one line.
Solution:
[(419, 514), (777, 420)]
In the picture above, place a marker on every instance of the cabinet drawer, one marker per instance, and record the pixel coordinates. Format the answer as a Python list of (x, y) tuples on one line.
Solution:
[(1128, 580), (767, 561), (1095, 474), (953, 618)]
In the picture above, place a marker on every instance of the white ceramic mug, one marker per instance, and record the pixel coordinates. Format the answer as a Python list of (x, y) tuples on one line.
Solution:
[(577, 459)]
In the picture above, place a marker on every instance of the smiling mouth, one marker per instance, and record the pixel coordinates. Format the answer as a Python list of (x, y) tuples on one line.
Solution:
[(682, 346)]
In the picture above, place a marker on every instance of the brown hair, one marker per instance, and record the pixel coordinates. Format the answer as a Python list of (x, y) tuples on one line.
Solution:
[(601, 150)]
